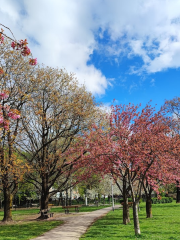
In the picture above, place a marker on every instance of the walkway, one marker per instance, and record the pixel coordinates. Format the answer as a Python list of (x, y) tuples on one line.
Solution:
[(74, 226)]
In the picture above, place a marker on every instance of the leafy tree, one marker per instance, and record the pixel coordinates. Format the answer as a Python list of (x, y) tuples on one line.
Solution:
[(58, 112), (15, 78), (173, 107), (136, 145)]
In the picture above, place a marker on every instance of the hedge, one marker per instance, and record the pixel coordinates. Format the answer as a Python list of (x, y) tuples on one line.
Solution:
[(162, 200), (129, 200)]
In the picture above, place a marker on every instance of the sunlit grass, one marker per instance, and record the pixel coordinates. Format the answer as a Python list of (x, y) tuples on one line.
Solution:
[(165, 224), (26, 231)]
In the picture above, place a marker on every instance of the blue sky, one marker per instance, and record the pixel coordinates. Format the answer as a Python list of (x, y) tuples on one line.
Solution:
[(124, 50), (134, 88)]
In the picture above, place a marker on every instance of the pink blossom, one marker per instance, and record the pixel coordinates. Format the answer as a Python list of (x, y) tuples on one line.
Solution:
[(1, 120), (25, 51), (3, 95), (13, 45), (13, 115), (1, 39), (33, 61), (6, 125)]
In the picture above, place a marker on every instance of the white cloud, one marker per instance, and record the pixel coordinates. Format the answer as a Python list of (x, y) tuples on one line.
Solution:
[(106, 108), (64, 33), (152, 82), (132, 87)]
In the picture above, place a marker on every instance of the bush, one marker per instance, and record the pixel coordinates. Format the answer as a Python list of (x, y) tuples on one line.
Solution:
[(162, 200), (129, 200)]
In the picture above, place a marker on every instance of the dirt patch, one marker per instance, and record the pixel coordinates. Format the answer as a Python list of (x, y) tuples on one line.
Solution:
[(23, 219)]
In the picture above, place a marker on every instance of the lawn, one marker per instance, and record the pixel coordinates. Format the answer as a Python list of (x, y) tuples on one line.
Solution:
[(26, 231), (165, 224), (25, 226)]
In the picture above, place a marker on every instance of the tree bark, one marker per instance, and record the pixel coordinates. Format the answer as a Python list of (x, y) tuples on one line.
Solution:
[(66, 197), (60, 199), (136, 218), (126, 217), (135, 208), (86, 201), (178, 193), (148, 207), (44, 200), (44, 195), (8, 197), (148, 191)]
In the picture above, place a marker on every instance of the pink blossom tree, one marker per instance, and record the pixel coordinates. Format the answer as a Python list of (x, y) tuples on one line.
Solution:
[(136, 144)]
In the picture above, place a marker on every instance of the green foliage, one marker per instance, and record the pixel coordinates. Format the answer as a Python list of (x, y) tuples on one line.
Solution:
[(89, 184), (171, 188), (164, 225), (162, 200), (129, 200)]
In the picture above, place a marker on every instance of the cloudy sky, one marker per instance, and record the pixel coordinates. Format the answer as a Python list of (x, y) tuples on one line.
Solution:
[(124, 50)]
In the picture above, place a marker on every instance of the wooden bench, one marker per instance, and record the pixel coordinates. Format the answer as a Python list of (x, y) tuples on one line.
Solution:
[(50, 204), (76, 207), (46, 213), (34, 205), (129, 204)]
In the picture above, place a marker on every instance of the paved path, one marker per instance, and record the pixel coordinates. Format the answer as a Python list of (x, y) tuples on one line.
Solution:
[(74, 226)]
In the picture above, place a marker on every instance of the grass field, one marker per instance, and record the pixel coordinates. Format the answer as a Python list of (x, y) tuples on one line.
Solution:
[(164, 225), (26, 231), (22, 228)]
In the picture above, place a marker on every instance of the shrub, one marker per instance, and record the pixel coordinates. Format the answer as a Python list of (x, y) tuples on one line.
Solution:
[(162, 200)]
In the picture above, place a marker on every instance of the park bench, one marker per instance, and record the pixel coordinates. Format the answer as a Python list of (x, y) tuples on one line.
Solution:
[(50, 204), (76, 207), (46, 213), (129, 204), (34, 204)]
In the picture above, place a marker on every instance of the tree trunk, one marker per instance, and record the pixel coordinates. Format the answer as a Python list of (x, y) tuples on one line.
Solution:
[(8, 197), (70, 199), (44, 200), (148, 207), (109, 199), (59, 199), (148, 191), (178, 193), (136, 218), (66, 197), (86, 202), (44, 196), (126, 217)]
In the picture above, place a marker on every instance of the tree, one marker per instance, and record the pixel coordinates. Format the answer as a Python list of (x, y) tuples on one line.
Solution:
[(173, 106), (16, 78), (136, 145), (58, 112)]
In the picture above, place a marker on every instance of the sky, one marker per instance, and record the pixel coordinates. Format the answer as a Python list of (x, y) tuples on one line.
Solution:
[(123, 51)]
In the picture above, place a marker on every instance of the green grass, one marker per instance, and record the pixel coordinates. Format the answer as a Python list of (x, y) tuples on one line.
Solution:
[(26, 231), (164, 225), (92, 208)]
